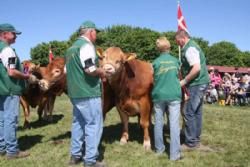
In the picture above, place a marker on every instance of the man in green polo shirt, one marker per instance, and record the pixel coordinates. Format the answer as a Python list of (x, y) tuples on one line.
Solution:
[(83, 81), (11, 87), (196, 79), (166, 95)]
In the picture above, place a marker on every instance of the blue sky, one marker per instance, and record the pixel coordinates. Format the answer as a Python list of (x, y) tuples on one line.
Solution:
[(47, 20)]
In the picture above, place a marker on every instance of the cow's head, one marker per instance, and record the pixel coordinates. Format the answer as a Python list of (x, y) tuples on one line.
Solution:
[(112, 60), (29, 67), (52, 73)]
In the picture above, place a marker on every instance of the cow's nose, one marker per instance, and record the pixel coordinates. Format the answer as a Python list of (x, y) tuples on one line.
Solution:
[(109, 68)]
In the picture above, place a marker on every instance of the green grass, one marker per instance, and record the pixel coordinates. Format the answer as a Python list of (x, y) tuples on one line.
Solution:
[(225, 130)]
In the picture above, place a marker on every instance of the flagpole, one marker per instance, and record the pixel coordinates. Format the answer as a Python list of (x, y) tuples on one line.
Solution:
[(179, 48)]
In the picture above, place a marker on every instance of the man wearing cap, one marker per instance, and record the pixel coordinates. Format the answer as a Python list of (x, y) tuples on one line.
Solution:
[(196, 80), (83, 81), (11, 86)]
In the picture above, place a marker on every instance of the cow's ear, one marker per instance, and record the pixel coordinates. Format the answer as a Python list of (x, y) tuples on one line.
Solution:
[(130, 72), (99, 52), (130, 56)]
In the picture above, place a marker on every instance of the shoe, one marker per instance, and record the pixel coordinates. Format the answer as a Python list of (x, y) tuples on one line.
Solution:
[(97, 164), (19, 154), (159, 153), (74, 161), (185, 147), (178, 159)]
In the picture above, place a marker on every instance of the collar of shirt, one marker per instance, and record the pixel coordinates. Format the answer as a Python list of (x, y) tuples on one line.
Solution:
[(186, 43), (86, 39)]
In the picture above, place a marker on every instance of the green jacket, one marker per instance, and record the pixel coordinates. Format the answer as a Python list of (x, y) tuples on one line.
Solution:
[(79, 83), (203, 76), (9, 85), (166, 81)]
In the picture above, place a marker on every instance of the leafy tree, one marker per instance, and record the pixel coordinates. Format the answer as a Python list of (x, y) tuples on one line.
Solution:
[(203, 44), (224, 54), (39, 53), (142, 42), (130, 39), (72, 38), (245, 57)]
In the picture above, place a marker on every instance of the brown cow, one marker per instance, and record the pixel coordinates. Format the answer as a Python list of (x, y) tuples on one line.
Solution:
[(44, 98), (128, 88)]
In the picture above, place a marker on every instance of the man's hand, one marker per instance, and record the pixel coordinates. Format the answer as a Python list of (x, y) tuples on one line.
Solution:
[(32, 79), (102, 74), (183, 82)]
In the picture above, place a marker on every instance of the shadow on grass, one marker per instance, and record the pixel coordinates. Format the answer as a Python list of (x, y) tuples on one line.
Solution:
[(41, 123), (66, 135), (113, 133), (26, 142)]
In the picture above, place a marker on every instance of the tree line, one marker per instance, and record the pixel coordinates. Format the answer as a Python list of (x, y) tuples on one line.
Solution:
[(142, 42)]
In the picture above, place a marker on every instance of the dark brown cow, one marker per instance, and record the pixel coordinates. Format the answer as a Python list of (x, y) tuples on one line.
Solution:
[(44, 98), (128, 87)]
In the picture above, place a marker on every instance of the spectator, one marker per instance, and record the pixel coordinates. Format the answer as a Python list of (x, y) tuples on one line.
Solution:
[(226, 84), (247, 76), (241, 91), (211, 94), (215, 79), (236, 75), (221, 96), (231, 99)]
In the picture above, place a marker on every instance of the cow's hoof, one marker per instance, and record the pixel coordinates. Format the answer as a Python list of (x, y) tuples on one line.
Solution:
[(147, 145), (47, 119), (26, 125), (123, 141)]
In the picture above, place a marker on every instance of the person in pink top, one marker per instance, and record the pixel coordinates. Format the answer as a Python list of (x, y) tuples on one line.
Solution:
[(215, 78)]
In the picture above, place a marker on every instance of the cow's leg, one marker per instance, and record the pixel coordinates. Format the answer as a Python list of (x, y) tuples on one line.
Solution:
[(41, 107), (26, 112), (50, 107), (46, 110), (145, 108), (124, 118)]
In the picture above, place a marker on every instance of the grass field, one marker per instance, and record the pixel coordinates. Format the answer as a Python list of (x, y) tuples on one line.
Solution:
[(225, 131)]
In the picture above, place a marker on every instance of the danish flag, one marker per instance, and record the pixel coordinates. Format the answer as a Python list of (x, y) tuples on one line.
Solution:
[(51, 56), (181, 22)]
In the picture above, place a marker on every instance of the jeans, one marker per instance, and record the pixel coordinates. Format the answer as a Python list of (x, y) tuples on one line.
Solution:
[(174, 114), (193, 115), (9, 112), (87, 126)]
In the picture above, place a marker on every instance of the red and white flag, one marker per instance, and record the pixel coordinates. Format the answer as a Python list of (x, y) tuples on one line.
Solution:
[(181, 22), (51, 56)]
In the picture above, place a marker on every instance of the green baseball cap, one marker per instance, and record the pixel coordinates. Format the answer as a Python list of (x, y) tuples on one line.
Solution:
[(88, 24), (9, 28)]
